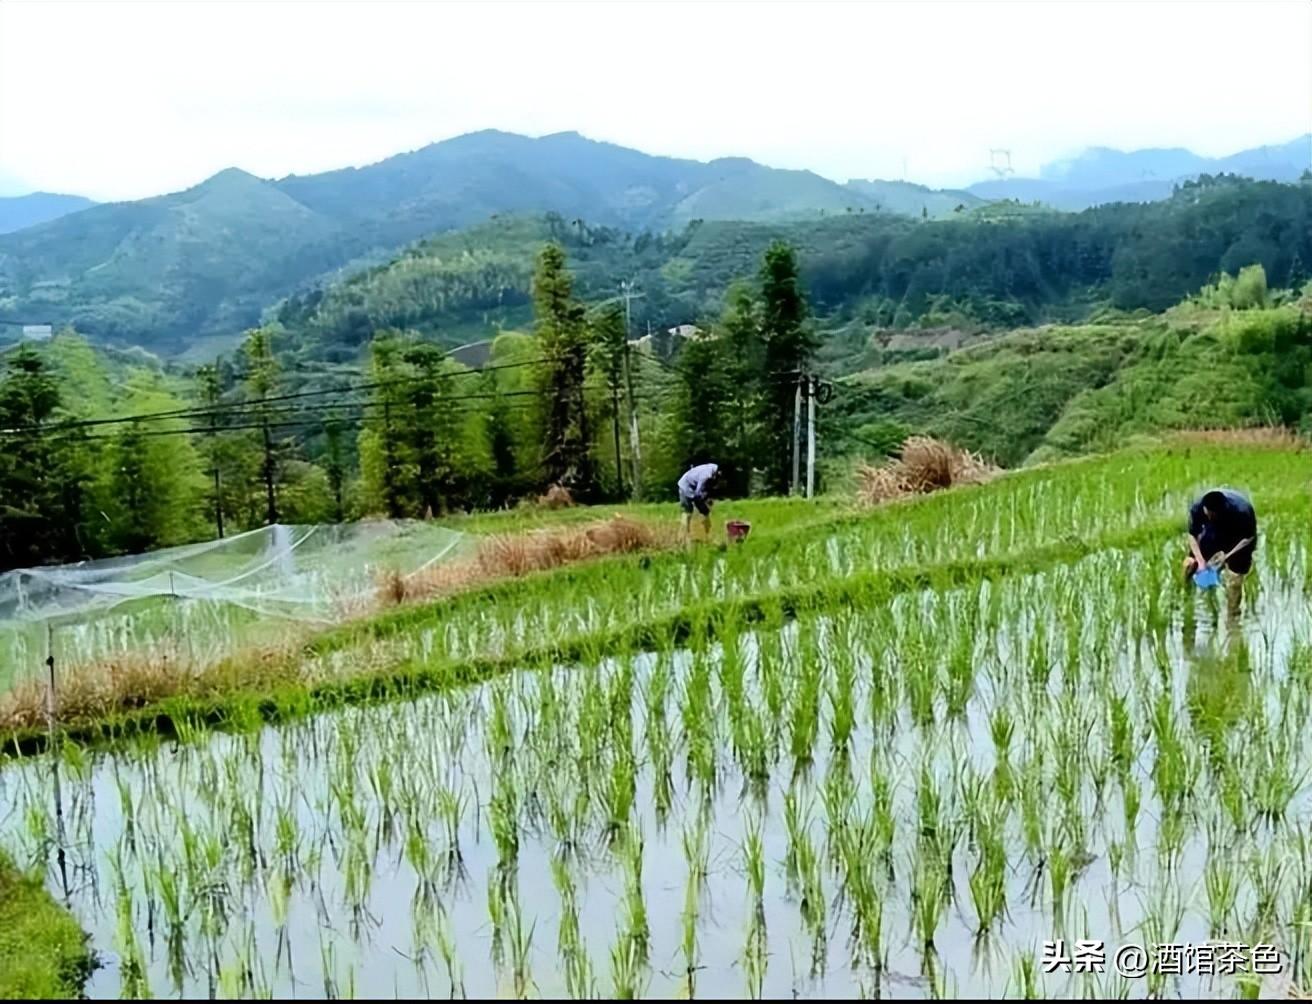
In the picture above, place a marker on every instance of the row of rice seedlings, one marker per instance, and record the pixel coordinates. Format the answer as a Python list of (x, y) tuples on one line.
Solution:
[(1036, 748)]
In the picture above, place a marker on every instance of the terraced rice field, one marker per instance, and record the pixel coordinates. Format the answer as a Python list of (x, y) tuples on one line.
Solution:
[(881, 753)]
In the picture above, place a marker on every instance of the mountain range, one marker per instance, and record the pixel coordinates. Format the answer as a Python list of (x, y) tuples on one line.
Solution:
[(167, 271), (21, 211)]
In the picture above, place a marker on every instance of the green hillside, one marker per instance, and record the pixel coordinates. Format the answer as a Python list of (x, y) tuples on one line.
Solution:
[(173, 270), (185, 274), (992, 267), (160, 271), (1043, 393)]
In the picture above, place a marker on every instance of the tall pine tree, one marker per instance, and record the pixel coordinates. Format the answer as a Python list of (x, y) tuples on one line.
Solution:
[(44, 469), (789, 348), (562, 334)]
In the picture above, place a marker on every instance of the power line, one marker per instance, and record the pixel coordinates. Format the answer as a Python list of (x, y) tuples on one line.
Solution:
[(299, 417), (259, 403)]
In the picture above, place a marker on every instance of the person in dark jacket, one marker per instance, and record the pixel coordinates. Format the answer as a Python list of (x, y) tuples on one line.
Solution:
[(1222, 524)]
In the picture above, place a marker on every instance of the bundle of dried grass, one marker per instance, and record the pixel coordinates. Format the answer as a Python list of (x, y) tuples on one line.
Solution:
[(556, 497), (922, 465), (510, 555)]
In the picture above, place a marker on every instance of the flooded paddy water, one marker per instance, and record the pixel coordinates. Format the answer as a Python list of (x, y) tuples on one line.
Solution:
[(906, 801)]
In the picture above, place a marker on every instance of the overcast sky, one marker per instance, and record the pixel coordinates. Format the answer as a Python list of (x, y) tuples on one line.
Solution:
[(120, 100)]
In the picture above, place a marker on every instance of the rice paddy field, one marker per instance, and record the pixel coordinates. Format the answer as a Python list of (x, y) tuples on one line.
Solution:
[(884, 753)]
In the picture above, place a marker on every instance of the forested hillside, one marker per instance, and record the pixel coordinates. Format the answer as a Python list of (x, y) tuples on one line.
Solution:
[(184, 274), (987, 267), (170, 271), (1235, 354)]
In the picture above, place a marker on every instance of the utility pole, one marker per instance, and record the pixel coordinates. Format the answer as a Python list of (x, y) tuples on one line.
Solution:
[(218, 495), (797, 434), (271, 513), (810, 436), (615, 427), (635, 446), (212, 395)]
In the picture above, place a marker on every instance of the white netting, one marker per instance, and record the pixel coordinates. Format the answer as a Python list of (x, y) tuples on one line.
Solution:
[(206, 596)]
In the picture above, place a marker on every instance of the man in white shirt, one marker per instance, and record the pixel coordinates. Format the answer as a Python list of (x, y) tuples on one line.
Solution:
[(694, 493)]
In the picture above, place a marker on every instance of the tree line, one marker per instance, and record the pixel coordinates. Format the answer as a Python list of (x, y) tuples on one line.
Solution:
[(246, 442), (998, 266)]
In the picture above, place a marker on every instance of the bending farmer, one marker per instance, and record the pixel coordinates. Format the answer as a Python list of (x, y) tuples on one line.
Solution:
[(1222, 531), (695, 493)]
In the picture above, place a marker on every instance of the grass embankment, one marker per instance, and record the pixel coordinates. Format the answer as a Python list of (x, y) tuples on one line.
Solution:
[(43, 952), (1022, 523)]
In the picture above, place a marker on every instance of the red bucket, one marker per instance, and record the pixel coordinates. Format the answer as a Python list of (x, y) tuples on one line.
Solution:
[(737, 530)]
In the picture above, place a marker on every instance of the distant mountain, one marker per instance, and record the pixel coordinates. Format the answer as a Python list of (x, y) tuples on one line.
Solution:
[(189, 270), (1100, 175), (163, 272), (19, 211), (910, 199)]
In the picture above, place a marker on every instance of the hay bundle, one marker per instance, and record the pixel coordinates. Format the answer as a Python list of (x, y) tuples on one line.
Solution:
[(923, 465), (509, 555), (556, 497)]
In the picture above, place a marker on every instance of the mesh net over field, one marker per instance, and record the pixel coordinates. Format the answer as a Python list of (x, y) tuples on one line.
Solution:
[(206, 596)]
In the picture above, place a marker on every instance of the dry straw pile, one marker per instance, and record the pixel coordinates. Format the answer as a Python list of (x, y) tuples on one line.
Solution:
[(514, 554), (922, 465)]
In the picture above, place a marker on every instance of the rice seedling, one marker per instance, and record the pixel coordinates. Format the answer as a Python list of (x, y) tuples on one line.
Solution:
[(929, 897), (977, 674)]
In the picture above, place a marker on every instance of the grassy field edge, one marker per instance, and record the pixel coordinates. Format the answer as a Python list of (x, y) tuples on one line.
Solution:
[(44, 954)]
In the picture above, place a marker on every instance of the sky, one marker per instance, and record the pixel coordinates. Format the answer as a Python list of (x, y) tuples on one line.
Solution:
[(122, 100)]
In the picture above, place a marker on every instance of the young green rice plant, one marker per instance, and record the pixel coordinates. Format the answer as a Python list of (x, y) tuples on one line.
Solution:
[(1275, 781), (883, 683), (929, 804), (696, 845), (1025, 979), (1060, 867), (627, 969), (754, 953), (837, 794), (753, 744), (619, 793), (133, 967), (503, 817), (881, 814), (1172, 829), (988, 889), (496, 912), (635, 906), (1268, 871), (1002, 728), (451, 809), (866, 903), (959, 681), (1234, 797), (444, 937), (842, 696), (1130, 802), (1221, 885), (812, 899), (929, 897), (1161, 925), (1031, 807), (577, 966), (688, 926), (521, 948), (804, 715), (921, 686)]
